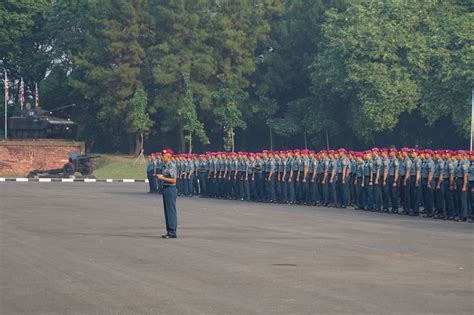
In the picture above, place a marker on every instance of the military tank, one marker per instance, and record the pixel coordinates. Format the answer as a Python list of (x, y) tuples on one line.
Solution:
[(40, 124)]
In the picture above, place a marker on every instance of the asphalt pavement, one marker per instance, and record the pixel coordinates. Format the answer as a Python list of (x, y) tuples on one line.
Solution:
[(95, 248)]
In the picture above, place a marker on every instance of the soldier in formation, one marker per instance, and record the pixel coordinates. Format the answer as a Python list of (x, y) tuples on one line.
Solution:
[(437, 184)]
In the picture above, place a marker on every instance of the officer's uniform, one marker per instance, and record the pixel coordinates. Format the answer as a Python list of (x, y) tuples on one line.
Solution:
[(427, 171), (169, 198)]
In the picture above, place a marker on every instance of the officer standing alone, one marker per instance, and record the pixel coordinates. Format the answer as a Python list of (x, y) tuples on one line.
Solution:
[(169, 193)]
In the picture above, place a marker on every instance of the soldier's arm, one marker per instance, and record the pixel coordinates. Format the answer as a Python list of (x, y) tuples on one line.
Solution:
[(451, 175), (418, 176), (305, 172), (440, 178), (333, 173), (272, 169), (325, 175), (465, 181), (408, 170)]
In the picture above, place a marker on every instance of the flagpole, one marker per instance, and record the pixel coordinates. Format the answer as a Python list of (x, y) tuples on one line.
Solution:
[(6, 102), (6, 120), (472, 116)]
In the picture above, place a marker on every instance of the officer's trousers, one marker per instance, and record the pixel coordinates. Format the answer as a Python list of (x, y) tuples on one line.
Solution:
[(406, 195), (259, 184), (292, 186), (471, 199), (241, 184), (439, 197), (325, 190), (190, 182), (462, 197), (386, 194), (394, 193), (203, 183), (252, 188), (271, 193), (169, 205), (449, 197), (428, 196), (415, 195), (314, 189), (284, 187), (370, 194), (345, 191), (377, 195), (333, 190), (358, 192)]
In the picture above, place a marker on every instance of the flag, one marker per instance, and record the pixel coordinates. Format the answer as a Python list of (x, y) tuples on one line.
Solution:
[(6, 87), (37, 98), (22, 94)]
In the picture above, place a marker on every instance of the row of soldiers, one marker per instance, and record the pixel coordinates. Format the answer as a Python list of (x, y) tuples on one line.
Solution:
[(382, 180)]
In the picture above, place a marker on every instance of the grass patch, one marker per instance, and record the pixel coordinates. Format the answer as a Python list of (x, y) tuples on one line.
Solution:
[(110, 166)]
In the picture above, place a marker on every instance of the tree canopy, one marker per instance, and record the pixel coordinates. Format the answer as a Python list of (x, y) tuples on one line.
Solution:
[(216, 75)]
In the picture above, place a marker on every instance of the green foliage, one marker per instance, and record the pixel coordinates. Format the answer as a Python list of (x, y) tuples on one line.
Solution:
[(356, 69), (188, 114), (377, 58), (228, 100), (140, 120)]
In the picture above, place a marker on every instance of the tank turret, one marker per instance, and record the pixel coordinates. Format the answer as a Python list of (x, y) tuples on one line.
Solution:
[(40, 124)]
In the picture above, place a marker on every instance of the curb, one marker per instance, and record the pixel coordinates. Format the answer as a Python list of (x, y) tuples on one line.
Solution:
[(72, 180)]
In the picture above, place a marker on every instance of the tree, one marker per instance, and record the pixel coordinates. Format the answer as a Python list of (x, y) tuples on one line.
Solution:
[(227, 112), (140, 120), (376, 59), (188, 114)]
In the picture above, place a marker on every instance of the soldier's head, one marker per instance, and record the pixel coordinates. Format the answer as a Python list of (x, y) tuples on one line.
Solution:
[(471, 157), (167, 155), (428, 153)]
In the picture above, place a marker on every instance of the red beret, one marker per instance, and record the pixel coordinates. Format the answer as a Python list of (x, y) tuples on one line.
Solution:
[(167, 151), (428, 151)]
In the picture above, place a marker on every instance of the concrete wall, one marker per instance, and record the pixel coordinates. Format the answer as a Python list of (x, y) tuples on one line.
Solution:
[(19, 157)]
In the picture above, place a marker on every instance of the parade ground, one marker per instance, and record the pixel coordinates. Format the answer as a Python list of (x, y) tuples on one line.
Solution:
[(95, 248)]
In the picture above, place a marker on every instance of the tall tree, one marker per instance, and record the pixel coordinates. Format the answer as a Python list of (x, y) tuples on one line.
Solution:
[(140, 120), (229, 99)]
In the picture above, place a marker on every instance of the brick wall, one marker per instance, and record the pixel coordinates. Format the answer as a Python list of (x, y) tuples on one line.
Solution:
[(19, 157)]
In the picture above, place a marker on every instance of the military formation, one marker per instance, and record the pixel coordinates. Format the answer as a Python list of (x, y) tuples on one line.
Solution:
[(438, 184)]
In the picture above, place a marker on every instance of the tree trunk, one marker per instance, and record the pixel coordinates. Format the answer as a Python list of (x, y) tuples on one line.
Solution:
[(232, 137), (271, 139), (327, 140), (190, 143), (305, 140), (138, 144), (182, 143), (141, 142)]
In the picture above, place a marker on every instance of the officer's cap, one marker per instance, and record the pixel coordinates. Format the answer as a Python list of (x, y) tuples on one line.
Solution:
[(167, 151), (428, 151)]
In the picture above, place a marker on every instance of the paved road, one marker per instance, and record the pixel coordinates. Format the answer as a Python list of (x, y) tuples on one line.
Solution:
[(89, 248)]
